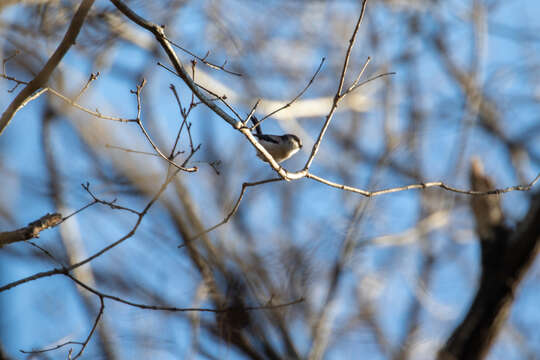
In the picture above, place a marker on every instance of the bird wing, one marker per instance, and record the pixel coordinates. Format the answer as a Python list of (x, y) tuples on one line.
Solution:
[(258, 129)]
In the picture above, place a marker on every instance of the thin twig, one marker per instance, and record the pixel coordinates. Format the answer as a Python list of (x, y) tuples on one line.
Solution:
[(371, 79), (183, 113), (221, 98), (96, 322), (364, 67), (83, 343), (174, 308), (203, 60), (130, 150), (51, 348), (299, 94), (86, 110), (217, 97), (234, 209), (45, 251), (11, 78), (137, 92), (110, 204), (93, 76), (251, 112), (10, 57)]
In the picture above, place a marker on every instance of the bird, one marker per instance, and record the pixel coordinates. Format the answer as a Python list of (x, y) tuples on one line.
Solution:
[(281, 147)]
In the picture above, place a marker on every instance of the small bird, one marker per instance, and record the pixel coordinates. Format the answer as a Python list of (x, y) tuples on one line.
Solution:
[(281, 147)]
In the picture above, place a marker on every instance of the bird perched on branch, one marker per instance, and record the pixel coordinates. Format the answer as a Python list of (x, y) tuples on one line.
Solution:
[(281, 147)]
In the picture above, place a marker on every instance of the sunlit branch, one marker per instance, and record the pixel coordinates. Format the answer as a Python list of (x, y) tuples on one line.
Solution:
[(30, 231), (93, 76), (425, 185), (86, 110)]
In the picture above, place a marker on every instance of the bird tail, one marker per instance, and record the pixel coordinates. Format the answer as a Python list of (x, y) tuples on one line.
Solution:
[(256, 124)]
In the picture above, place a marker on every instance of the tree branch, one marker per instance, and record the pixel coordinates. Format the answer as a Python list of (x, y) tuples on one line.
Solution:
[(31, 231)]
